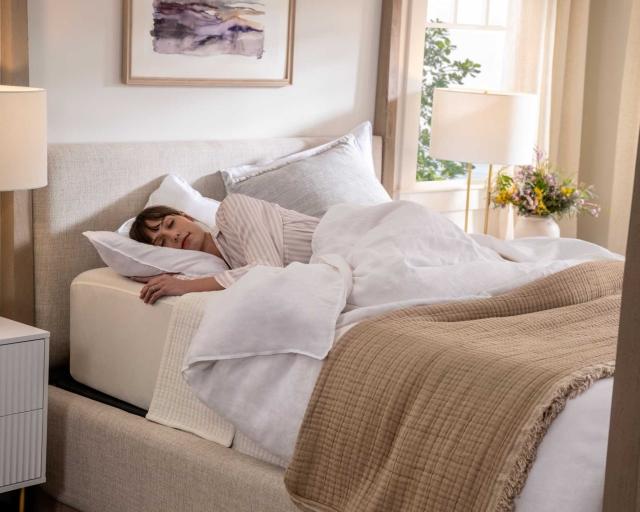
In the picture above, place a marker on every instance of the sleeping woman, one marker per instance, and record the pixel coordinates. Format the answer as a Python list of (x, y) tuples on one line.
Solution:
[(248, 232)]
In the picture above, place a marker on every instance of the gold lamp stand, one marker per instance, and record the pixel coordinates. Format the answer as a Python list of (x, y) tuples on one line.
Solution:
[(488, 203), (488, 198), (466, 207)]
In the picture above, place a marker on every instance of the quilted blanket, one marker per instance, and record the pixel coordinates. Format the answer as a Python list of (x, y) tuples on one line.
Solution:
[(442, 407)]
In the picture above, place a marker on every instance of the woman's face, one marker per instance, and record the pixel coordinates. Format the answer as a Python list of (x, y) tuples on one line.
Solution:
[(177, 232)]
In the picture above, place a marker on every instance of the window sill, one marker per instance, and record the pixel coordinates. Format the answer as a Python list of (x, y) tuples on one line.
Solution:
[(446, 196), (426, 187)]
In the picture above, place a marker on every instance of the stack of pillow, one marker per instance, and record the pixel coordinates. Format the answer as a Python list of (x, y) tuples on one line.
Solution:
[(311, 181)]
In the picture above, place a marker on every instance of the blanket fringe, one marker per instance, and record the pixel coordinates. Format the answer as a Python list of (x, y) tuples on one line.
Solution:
[(577, 384)]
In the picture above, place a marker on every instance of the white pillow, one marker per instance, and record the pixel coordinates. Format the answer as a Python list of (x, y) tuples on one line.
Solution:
[(311, 181), (177, 193), (130, 258)]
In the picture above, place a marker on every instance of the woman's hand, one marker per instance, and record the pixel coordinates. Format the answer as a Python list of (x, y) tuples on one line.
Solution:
[(165, 284), (161, 286)]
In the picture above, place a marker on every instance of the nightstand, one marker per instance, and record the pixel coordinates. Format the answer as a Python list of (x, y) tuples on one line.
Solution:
[(24, 368)]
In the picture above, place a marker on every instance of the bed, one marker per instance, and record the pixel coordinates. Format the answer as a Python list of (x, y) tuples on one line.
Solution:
[(100, 457), (103, 458)]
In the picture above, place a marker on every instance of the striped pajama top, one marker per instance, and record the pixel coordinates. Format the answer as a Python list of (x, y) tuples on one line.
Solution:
[(252, 232)]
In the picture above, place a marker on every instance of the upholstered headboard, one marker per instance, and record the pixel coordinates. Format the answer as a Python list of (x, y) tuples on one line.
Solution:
[(98, 186)]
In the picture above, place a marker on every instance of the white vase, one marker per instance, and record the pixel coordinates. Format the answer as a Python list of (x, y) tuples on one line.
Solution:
[(531, 225)]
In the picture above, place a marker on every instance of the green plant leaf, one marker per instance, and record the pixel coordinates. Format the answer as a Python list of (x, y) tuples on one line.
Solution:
[(438, 71)]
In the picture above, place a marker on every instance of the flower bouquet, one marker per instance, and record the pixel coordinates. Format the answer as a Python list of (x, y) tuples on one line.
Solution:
[(538, 191)]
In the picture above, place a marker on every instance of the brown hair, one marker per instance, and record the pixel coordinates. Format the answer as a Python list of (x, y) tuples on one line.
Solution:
[(140, 229)]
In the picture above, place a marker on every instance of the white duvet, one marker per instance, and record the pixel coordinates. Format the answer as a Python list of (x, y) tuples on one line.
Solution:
[(259, 348)]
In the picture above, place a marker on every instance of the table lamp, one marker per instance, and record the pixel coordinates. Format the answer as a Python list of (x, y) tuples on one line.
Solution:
[(23, 165), (483, 127), (23, 138)]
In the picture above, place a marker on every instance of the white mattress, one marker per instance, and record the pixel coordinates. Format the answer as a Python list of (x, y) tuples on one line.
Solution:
[(116, 340)]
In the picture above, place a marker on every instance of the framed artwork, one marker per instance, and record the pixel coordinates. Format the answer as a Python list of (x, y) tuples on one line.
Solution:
[(208, 42)]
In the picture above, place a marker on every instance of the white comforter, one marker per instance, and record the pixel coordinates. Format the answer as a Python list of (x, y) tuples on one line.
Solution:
[(260, 345)]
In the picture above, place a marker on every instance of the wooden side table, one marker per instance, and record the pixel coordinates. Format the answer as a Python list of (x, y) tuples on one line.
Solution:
[(24, 368)]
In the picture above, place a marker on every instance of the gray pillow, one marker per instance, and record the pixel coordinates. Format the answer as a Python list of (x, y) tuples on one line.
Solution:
[(313, 180)]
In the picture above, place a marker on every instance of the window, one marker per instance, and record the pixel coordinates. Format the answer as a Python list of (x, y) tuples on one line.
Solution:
[(464, 46), (512, 41)]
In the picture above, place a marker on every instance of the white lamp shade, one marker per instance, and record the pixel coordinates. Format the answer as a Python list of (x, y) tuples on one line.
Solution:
[(483, 127), (23, 138)]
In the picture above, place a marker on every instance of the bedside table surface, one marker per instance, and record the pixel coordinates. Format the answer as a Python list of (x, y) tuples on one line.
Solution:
[(13, 332)]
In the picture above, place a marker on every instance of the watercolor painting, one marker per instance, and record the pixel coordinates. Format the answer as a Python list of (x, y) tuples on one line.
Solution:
[(226, 43), (208, 27)]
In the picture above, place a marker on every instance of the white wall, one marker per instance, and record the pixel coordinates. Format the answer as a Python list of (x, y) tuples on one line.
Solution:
[(75, 53)]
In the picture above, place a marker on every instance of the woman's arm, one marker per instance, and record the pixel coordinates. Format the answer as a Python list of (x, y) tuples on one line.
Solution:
[(228, 277), (165, 284)]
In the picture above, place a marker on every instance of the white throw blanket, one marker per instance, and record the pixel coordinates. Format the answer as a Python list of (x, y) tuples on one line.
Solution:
[(259, 347)]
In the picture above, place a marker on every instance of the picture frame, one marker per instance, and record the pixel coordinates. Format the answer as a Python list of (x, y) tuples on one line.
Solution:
[(207, 43)]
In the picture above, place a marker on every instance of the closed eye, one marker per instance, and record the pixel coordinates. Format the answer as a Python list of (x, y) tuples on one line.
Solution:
[(167, 223)]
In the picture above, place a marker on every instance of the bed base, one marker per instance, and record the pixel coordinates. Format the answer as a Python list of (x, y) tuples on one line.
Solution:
[(101, 458)]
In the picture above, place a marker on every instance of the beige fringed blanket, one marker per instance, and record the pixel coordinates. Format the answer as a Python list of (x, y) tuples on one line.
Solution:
[(441, 408)]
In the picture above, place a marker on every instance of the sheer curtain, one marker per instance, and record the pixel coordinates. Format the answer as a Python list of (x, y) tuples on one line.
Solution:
[(528, 54), (567, 91), (545, 54), (588, 128)]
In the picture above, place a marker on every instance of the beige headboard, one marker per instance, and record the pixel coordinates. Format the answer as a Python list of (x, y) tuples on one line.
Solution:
[(98, 186)]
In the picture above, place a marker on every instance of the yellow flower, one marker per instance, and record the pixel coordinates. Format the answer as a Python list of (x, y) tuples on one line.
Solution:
[(503, 197), (541, 207), (567, 191), (538, 193)]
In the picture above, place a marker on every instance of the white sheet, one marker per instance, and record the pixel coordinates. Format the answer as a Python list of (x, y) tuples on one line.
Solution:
[(568, 473), (384, 257)]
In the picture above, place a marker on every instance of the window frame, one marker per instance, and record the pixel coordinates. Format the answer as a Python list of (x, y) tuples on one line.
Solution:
[(409, 104), (473, 26)]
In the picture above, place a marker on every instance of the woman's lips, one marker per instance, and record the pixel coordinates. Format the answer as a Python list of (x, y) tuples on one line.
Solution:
[(184, 240)]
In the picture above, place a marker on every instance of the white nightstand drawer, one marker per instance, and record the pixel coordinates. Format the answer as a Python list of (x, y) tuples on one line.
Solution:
[(21, 377), (20, 447)]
